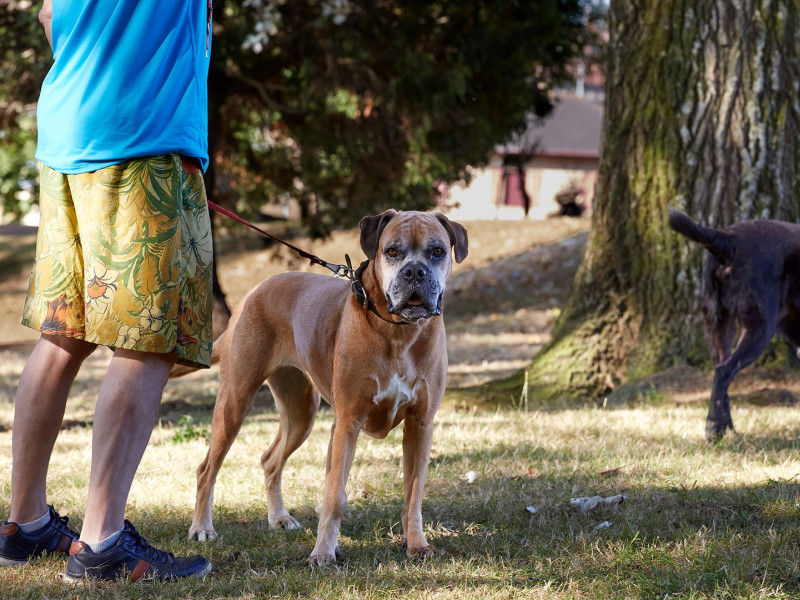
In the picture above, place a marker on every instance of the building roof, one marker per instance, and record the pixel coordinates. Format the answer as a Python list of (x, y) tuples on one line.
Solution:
[(572, 129)]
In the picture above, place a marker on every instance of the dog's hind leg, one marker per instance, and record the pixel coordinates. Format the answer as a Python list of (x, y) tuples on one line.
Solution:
[(720, 332), (297, 402), (789, 326), (719, 322), (234, 401), (757, 331)]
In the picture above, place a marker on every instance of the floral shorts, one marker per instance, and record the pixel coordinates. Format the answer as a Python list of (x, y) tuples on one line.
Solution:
[(123, 259)]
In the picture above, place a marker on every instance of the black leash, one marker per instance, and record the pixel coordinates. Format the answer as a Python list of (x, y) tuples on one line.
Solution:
[(354, 275)]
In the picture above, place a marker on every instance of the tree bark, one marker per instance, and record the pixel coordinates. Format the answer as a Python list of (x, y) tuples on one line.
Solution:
[(702, 112), (526, 199), (221, 312)]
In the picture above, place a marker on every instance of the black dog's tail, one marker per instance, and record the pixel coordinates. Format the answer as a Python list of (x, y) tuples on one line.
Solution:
[(719, 243)]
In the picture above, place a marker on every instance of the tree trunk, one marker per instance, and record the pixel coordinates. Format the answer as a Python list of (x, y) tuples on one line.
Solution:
[(221, 312), (526, 199), (702, 113)]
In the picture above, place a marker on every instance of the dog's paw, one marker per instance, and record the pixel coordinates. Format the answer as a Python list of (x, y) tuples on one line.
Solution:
[(321, 561), (201, 533), (716, 430), (287, 523), (421, 552)]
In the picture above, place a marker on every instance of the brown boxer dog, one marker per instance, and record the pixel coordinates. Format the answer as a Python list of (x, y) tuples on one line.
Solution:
[(378, 356)]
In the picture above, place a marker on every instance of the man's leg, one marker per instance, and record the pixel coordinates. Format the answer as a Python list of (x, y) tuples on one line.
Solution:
[(123, 421), (127, 409), (38, 412)]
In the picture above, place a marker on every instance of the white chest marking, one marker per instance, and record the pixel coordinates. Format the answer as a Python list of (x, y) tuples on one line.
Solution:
[(397, 391)]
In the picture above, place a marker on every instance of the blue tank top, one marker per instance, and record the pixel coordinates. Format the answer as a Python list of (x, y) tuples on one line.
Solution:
[(129, 79)]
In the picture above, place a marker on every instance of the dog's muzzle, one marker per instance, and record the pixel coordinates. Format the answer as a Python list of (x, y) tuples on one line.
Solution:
[(415, 293)]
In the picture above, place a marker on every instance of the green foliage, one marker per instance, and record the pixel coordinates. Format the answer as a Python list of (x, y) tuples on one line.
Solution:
[(187, 430), (24, 59), (370, 106), (350, 107)]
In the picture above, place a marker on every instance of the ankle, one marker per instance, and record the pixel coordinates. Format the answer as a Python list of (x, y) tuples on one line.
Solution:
[(94, 533), (104, 544), (35, 524), (28, 513)]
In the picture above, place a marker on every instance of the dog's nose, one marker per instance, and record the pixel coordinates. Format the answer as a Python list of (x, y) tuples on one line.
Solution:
[(415, 272)]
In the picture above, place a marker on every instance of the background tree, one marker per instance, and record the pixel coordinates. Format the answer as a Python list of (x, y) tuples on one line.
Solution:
[(24, 59), (702, 113), (351, 107), (348, 106)]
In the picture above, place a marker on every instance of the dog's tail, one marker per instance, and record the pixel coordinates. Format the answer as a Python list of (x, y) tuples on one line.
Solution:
[(181, 370), (719, 243)]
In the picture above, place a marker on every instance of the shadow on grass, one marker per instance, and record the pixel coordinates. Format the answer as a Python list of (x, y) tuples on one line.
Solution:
[(664, 539)]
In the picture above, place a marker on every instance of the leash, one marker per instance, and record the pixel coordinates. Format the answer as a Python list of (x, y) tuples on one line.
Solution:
[(338, 270), (354, 275)]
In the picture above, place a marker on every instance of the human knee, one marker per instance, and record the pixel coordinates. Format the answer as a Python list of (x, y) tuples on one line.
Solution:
[(65, 350), (138, 375), (150, 360)]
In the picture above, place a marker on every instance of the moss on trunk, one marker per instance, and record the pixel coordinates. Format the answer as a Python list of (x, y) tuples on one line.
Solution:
[(702, 113)]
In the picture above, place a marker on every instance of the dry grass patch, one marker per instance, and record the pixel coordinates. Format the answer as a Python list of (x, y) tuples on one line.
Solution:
[(700, 520)]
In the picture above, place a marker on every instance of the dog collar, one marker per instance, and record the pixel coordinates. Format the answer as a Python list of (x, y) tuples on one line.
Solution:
[(361, 294)]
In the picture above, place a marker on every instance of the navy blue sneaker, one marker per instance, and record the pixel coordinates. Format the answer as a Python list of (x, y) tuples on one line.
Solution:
[(17, 547), (131, 558)]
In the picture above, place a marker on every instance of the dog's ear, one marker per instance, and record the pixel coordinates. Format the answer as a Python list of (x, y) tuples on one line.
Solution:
[(371, 229), (458, 236)]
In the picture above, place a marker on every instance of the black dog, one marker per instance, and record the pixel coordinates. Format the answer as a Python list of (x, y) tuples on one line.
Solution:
[(751, 278)]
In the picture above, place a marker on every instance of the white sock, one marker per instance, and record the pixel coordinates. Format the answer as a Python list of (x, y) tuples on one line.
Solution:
[(37, 524), (105, 544)]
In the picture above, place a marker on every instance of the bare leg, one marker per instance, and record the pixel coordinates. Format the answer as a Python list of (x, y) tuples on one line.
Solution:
[(39, 410), (126, 411)]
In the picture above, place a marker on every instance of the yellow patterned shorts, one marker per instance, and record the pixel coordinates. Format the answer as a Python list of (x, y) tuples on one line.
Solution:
[(123, 259)]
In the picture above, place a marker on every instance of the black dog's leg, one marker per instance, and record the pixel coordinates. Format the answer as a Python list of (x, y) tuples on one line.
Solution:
[(720, 328), (719, 412), (790, 328), (720, 332), (753, 341)]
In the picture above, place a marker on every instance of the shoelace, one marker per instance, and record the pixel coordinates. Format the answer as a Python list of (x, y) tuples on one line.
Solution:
[(65, 528), (149, 551)]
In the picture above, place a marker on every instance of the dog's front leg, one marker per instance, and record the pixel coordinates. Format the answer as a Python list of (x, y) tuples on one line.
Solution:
[(417, 440), (341, 451)]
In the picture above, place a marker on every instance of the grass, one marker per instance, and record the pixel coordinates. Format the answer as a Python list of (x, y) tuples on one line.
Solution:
[(700, 520)]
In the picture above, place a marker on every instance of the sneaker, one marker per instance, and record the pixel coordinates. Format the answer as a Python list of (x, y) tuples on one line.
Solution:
[(133, 558), (17, 547)]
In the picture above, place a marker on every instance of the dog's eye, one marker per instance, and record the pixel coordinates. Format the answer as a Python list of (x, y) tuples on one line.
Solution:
[(438, 252), (392, 253)]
